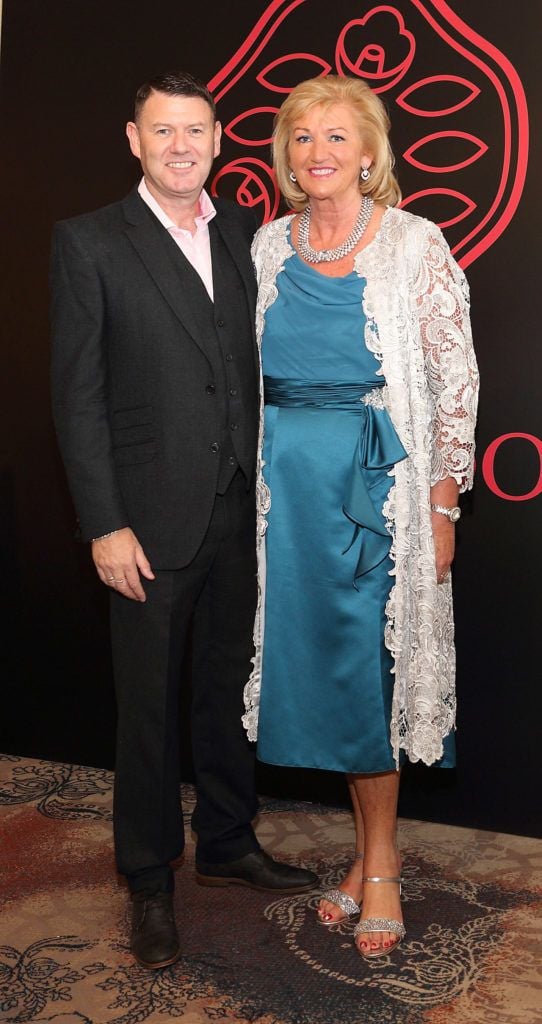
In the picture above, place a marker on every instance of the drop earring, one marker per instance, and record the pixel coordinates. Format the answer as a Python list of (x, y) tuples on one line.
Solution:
[(292, 177), (365, 174)]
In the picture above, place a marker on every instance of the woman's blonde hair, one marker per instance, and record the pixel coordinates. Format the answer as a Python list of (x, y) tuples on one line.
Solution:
[(374, 126)]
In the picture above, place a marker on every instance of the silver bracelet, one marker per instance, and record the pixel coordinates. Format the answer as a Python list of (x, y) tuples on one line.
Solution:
[(104, 536)]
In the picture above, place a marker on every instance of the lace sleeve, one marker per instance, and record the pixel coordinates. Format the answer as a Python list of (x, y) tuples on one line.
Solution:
[(441, 297), (257, 249)]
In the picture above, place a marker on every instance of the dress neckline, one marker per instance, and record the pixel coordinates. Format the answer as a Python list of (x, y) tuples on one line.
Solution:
[(342, 277), (311, 269)]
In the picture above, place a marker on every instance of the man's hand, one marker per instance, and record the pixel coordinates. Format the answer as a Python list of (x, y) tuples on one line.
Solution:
[(119, 560)]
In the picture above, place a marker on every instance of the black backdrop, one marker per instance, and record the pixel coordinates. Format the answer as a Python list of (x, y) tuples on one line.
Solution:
[(69, 71)]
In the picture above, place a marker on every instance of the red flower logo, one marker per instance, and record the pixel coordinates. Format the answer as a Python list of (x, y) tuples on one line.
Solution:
[(458, 108)]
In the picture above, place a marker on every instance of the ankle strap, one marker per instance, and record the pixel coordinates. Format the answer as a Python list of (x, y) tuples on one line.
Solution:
[(375, 878)]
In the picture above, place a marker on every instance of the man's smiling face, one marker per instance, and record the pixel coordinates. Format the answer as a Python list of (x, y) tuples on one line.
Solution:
[(176, 140)]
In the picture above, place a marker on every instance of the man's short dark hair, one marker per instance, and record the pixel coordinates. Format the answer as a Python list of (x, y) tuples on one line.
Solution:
[(174, 83)]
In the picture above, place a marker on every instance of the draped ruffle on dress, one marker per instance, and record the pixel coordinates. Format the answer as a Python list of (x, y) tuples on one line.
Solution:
[(329, 452)]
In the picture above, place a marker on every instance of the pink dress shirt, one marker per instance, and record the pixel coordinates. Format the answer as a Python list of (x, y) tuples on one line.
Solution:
[(197, 247)]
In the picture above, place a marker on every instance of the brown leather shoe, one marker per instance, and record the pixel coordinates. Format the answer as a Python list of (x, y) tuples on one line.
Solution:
[(154, 941), (257, 870)]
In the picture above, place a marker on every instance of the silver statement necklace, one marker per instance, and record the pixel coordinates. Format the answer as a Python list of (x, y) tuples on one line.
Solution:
[(328, 255)]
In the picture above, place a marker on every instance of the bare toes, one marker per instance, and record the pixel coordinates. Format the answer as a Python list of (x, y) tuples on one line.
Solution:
[(328, 912)]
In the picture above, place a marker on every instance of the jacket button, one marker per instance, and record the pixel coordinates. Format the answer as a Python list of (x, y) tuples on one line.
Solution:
[(220, 323), (229, 357), (232, 461), (233, 391), (214, 447), (210, 389), (234, 426)]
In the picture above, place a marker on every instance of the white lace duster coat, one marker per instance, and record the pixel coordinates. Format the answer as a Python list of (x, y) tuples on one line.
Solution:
[(416, 305)]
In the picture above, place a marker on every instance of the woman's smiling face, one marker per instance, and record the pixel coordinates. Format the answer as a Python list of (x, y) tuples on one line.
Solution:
[(326, 152)]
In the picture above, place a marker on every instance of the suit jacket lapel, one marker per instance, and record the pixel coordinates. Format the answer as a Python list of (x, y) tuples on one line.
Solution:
[(145, 238), (240, 254)]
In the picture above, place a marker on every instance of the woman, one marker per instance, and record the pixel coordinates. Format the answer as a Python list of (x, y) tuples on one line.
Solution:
[(370, 397)]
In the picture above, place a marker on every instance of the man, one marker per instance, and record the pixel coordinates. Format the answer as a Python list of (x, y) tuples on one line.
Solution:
[(156, 400)]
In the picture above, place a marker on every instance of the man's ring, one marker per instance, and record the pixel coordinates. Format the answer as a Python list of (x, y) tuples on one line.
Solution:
[(111, 579)]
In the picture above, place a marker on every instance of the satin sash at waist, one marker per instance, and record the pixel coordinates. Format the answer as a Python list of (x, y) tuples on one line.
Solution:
[(378, 449), (319, 394)]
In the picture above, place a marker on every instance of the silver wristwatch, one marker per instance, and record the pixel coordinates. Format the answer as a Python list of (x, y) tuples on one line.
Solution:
[(453, 514)]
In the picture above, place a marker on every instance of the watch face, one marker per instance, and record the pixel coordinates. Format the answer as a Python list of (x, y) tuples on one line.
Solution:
[(455, 514)]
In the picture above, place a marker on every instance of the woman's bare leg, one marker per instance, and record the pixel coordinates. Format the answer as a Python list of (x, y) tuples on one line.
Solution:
[(377, 797), (351, 883)]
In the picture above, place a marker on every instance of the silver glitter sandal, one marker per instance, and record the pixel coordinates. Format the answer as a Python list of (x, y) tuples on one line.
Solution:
[(380, 924), (342, 900)]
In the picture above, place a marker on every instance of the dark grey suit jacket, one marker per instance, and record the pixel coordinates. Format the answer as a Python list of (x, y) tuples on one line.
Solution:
[(132, 359)]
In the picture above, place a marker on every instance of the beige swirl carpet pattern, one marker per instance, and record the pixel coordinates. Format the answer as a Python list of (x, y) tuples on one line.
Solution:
[(472, 904)]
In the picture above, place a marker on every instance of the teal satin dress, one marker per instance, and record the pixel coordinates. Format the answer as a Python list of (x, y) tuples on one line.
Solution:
[(327, 676)]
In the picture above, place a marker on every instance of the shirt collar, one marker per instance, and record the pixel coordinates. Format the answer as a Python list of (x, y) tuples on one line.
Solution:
[(206, 209)]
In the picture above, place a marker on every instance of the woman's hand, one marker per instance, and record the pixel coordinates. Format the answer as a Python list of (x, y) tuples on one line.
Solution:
[(445, 493), (444, 540)]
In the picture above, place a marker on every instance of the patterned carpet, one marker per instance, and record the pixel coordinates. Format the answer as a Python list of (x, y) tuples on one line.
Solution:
[(471, 902)]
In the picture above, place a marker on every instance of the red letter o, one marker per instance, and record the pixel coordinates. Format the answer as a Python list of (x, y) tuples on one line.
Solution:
[(488, 464)]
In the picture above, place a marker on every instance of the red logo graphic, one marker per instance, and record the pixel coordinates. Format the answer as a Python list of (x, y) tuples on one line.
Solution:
[(433, 71)]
